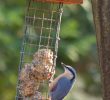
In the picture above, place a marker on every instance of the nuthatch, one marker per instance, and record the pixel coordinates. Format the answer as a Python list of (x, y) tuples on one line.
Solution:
[(60, 87)]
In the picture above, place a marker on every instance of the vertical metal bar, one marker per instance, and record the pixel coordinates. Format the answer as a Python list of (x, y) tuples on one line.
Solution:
[(41, 31), (50, 28), (22, 52), (60, 9)]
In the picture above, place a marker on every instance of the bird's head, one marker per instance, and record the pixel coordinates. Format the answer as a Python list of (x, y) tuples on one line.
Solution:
[(70, 71)]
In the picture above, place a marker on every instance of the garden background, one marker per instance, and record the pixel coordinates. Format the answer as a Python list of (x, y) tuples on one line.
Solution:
[(77, 48)]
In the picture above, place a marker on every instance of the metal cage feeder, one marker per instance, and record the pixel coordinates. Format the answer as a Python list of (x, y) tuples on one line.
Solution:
[(40, 44)]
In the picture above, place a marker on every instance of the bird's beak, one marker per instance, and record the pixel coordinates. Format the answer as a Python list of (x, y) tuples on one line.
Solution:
[(63, 65)]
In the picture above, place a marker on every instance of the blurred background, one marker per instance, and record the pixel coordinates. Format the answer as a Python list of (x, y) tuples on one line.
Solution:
[(77, 48)]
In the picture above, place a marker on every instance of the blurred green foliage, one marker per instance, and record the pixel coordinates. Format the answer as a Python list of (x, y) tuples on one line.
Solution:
[(77, 47)]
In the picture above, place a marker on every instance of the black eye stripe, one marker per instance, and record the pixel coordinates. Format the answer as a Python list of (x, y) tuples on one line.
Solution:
[(71, 72)]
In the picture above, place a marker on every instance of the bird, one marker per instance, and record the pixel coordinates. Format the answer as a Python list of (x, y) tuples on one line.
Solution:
[(61, 85)]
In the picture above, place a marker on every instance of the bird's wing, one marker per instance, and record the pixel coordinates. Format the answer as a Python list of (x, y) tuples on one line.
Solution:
[(63, 87)]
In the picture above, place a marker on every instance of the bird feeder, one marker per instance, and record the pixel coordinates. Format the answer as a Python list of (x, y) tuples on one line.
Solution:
[(39, 48)]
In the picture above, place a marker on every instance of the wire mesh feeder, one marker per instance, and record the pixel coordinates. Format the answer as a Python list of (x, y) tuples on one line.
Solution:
[(39, 50)]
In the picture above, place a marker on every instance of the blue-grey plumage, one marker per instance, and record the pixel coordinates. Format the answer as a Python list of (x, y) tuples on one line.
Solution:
[(61, 86)]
